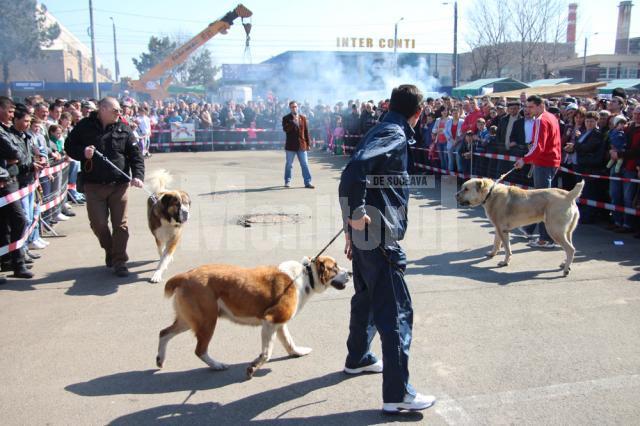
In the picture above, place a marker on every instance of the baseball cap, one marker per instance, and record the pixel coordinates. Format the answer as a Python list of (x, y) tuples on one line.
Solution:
[(88, 104), (571, 106)]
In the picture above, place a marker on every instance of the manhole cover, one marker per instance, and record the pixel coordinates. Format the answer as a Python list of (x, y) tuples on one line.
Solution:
[(268, 219)]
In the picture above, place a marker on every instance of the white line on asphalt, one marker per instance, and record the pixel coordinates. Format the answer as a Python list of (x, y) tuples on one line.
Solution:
[(452, 412)]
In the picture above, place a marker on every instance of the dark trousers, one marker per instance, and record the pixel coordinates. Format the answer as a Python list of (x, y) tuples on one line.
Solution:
[(104, 201), (382, 303), (13, 223)]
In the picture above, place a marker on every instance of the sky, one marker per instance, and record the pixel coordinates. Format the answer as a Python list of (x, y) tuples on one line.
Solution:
[(282, 25)]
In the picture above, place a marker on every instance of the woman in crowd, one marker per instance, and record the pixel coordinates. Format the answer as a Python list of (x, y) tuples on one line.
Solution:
[(590, 155)]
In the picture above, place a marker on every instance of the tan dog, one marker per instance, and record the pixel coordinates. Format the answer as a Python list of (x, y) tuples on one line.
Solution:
[(509, 207), (267, 296), (167, 212)]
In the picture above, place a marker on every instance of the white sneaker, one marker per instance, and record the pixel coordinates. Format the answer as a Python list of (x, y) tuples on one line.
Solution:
[(67, 205), (410, 403), (36, 245), (41, 241), (371, 368), (62, 217)]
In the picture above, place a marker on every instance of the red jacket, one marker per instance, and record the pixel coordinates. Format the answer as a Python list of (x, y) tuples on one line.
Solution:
[(545, 150), (471, 120), (633, 145)]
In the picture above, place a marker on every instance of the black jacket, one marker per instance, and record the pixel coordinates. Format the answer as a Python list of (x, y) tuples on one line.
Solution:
[(592, 152), (10, 150), (116, 142), (28, 154)]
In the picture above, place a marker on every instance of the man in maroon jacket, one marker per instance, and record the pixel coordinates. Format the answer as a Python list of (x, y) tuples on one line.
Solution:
[(544, 154), (297, 144)]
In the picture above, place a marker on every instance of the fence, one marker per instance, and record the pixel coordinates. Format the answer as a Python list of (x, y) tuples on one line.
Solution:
[(54, 182), (509, 181)]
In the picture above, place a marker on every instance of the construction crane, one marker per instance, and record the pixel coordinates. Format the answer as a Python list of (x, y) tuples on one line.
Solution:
[(155, 82)]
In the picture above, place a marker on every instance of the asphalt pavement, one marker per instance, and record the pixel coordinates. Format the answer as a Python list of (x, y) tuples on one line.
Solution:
[(514, 345)]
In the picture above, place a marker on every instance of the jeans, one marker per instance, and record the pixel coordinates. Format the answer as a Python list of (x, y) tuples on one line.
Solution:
[(304, 165), (443, 155), (381, 303), (28, 205), (542, 178), (622, 194)]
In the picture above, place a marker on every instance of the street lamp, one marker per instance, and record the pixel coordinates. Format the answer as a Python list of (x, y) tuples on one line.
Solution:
[(454, 71), (395, 45), (115, 50), (584, 59)]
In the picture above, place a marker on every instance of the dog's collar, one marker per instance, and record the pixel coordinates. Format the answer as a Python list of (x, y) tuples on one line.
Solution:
[(489, 194), (310, 274)]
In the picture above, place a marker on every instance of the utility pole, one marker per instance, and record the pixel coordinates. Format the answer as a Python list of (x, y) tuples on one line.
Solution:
[(115, 50), (455, 43), (395, 46), (584, 62), (96, 89)]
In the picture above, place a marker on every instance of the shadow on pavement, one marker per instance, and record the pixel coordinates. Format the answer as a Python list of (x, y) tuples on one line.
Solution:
[(464, 264), (244, 410), (87, 281)]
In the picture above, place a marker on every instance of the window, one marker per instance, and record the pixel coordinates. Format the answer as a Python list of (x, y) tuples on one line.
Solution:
[(69, 74)]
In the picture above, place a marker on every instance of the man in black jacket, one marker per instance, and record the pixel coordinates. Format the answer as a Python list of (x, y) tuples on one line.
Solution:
[(13, 220), (106, 188)]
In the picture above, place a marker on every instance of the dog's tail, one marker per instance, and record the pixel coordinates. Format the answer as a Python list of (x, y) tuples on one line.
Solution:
[(576, 191), (171, 285), (159, 180)]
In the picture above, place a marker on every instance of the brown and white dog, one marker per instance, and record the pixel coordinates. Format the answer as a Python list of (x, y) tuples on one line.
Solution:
[(266, 296), (167, 212), (509, 207)]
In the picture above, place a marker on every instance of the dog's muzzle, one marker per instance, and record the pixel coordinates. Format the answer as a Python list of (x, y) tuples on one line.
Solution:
[(339, 282), (184, 214)]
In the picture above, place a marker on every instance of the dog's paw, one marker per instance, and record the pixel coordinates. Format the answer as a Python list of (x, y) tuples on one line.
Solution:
[(503, 263), (218, 366), (251, 370), (300, 351), (156, 278), (490, 254), (562, 265), (159, 362), (566, 271)]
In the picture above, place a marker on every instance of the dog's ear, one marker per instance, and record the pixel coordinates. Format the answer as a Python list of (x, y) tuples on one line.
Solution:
[(184, 198), (320, 269), (479, 185)]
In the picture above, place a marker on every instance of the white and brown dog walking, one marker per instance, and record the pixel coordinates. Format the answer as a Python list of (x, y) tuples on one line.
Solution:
[(266, 296), (167, 212)]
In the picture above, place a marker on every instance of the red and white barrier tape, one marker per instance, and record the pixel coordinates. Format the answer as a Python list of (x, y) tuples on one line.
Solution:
[(244, 129), (17, 195), (173, 144), (15, 245), (592, 203), (53, 203)]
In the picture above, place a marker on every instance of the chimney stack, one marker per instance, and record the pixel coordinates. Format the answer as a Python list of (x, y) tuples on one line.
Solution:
[(624, 23), (571, 24)]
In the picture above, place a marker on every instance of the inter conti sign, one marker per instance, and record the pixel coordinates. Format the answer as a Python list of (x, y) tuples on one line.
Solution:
[(370, 43)]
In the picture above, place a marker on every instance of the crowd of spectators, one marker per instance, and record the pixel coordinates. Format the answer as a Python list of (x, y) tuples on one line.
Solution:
[(32, 140), (599, 137)]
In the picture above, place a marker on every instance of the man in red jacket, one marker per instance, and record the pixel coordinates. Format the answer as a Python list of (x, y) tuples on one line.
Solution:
[(544, 156)]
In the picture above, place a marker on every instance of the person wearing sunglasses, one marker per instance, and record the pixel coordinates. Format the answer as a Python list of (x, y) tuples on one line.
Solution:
[(104, 187)]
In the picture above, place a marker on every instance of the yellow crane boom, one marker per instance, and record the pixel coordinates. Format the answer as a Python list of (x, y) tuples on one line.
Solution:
[(150, 83)]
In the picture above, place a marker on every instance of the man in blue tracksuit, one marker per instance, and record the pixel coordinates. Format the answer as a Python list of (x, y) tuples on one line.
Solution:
[(374, 197)]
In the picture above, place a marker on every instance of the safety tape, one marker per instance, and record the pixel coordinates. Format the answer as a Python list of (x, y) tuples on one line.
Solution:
[(186, 143), (53, 203), (245, 129), (592, 203), (15, 245), (23, 192)]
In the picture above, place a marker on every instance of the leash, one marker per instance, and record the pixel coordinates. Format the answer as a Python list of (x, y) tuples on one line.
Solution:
[(327, 246), (312, 260), (106, 160), (500, 179)]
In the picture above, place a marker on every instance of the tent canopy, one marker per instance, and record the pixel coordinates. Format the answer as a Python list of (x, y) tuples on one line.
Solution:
[(549, 81), (474, 88), (630, 84), (583, 89)]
